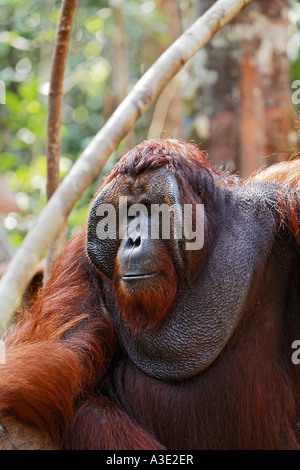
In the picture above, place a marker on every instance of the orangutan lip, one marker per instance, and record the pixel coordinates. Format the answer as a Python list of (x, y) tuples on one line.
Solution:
[(133, 277)]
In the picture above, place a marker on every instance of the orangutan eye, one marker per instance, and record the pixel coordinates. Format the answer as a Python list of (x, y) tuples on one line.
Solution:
[(200, 194)]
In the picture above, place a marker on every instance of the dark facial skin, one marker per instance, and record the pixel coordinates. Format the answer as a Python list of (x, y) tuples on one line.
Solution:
[(144, 271), (157, 187), (196, 323)]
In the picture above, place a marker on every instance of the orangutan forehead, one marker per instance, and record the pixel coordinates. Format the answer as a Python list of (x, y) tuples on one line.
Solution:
[(154, 154), (153, 185)]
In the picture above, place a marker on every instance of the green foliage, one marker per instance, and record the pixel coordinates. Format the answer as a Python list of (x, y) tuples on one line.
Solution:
[(27, 35)]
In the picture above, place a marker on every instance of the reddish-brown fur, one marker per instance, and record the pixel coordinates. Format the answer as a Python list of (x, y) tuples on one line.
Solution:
[(161, 294), (59, 350)]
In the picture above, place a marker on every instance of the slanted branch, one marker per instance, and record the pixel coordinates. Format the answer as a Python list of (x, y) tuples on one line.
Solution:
[(88, 165)]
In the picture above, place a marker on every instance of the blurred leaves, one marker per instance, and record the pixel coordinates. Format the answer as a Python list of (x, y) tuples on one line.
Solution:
[(27, 34)]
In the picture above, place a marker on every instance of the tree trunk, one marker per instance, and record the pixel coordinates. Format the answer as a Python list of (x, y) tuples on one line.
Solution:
[(120, 64), (246, 93), (167, 119), (53, 143)]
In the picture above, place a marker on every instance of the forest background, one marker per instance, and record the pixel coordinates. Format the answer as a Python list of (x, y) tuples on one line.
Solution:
[(234, 99)]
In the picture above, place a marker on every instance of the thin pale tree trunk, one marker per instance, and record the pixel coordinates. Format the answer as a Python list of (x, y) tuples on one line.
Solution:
[(248, 106), (121, 78), (167, 118)]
